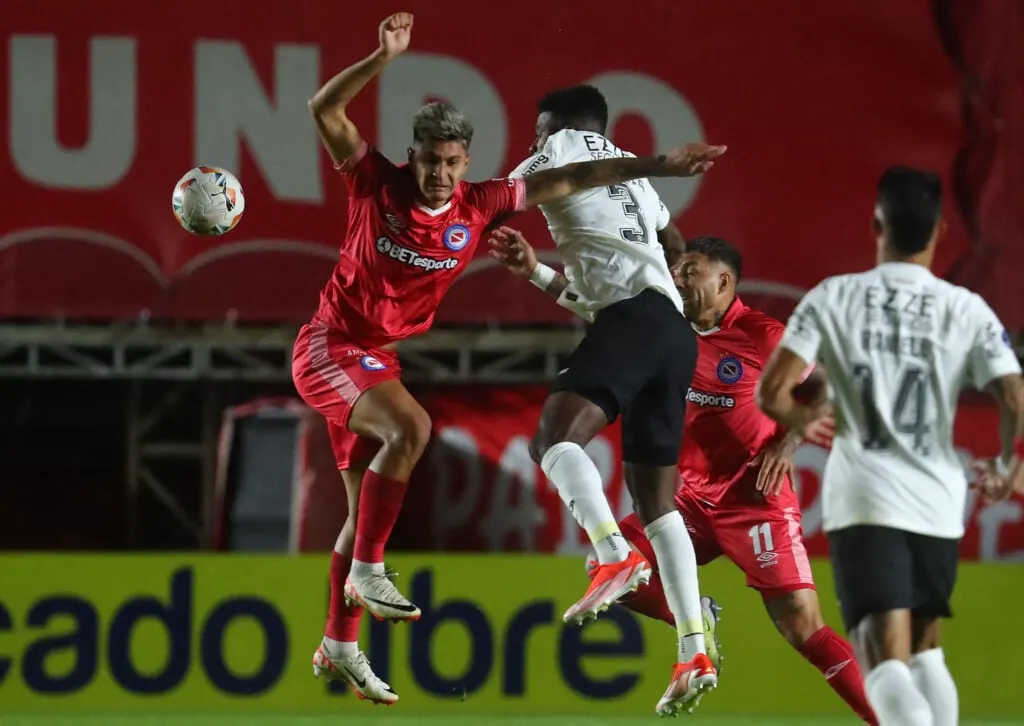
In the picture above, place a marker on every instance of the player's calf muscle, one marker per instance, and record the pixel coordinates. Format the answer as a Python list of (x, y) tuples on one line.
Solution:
[(652, 489)]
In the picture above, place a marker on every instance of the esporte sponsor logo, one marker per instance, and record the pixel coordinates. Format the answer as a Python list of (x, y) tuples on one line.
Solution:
[(414, 258), (716, 400)]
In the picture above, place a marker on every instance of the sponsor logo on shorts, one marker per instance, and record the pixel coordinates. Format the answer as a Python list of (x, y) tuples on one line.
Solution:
[(371, 364), (456, 237), (768, 559), (710, 400), (413, 258), (729, 369)]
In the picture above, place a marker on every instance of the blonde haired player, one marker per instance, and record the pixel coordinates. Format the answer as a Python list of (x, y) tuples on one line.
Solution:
[(412, 228)]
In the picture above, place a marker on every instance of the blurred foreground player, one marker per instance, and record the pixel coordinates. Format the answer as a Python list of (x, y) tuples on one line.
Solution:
[(736, 464), (411, 230), (899, 344), (635, 361)]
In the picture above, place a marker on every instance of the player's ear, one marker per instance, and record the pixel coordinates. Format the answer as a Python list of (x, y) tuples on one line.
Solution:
[(942, 228), (412, 153)]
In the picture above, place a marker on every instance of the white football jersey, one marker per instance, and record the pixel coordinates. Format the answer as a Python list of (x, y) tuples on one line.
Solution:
[(899, 345), (607, 237)]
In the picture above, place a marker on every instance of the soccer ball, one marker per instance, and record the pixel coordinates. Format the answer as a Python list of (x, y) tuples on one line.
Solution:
[(208, 201)]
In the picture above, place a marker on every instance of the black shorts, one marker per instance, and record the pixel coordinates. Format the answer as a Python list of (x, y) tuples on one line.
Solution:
[(878, 569), (636, 361)]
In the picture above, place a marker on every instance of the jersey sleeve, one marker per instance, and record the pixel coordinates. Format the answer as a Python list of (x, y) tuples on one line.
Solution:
[(664, 217), (547, 158), (991, 354), (498, 198), (367, 171), (766, 336), (803, 331)]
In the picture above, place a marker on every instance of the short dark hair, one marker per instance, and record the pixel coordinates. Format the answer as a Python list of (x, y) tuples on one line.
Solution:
[(441, 121), (717, 249), (578, 106), (909, 205)]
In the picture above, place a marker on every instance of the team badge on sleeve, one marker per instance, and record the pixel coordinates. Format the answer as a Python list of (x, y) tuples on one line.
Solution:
[(456, 237), (729, 369)]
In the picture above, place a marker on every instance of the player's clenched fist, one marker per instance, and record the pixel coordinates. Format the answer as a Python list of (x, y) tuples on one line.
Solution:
[(691, 159), (395, 33)]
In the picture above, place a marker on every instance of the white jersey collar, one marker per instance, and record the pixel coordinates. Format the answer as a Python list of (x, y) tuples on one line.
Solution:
[(906, 269)]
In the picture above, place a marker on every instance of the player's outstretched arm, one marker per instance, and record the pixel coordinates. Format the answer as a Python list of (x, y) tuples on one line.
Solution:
[(551, 184), (328, 105)]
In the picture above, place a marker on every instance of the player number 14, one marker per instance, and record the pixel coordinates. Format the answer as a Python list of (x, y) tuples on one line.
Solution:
[(761, 536), (908, 414)]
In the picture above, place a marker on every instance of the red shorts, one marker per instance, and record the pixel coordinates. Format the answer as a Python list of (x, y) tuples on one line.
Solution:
[(330, 373), (765, 542)]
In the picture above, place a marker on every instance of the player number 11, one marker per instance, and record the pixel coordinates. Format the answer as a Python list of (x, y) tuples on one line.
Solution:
[(761, 536)]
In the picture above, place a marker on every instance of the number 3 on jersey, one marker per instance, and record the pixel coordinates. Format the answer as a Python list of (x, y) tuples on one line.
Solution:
[(909, 409), (631, 209)]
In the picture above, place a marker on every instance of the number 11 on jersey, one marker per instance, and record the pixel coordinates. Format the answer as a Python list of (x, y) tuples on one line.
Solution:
[(761, 536)]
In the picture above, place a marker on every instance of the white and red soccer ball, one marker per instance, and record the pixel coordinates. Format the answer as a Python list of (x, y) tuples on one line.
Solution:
[(208, 201)]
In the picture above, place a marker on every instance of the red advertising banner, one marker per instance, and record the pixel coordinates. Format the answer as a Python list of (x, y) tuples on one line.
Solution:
[(477, 488), (109, 102)]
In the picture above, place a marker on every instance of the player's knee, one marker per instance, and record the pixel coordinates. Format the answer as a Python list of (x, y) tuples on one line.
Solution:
[(544, 439), (408, 435), (567, 418), (924, 634)]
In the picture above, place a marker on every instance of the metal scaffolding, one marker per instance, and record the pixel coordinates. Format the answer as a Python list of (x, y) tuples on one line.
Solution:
[(263, 355), (195, 359)]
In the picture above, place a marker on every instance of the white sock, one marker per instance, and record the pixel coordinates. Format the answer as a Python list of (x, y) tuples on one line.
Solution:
[(579, 485), (933, 679), (337, 649), (895, 698), (362, 570), (677, 565)]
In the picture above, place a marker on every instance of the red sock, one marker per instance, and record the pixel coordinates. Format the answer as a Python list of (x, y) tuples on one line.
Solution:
[(834, 657), (650, 601), (380, 501), (342, 620)]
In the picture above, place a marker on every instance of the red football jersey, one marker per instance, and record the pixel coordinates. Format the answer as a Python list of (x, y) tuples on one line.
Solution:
[(399, 258), (725, 429)]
